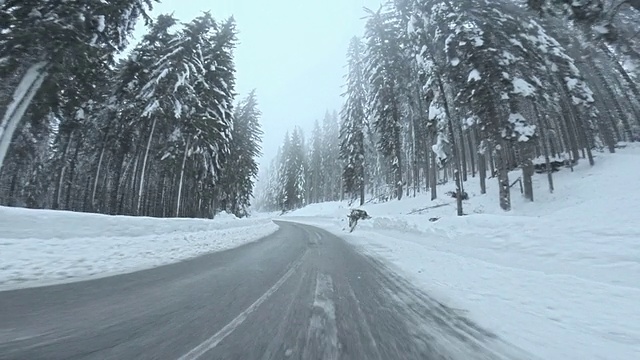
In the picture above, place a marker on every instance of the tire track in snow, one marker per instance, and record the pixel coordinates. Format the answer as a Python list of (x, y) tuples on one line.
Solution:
[(322, 334)]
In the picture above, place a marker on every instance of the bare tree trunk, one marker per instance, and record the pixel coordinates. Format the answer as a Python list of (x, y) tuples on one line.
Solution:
[(184, 161), (22, 96), (454, 148), (625, 75), (527, 173), (63, 168), (472, 145), (568, 127), (492, 161), (160, 210), (12, 201), (546, 157), (113, 201), (72, 171), (144, 165), (462, 152), (87, 191), (97, 176), (482, 165), (503, 177), (433, 175), (132, 186)]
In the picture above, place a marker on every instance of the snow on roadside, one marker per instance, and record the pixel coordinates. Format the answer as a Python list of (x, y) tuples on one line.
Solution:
[(42, 247), (559, 277)]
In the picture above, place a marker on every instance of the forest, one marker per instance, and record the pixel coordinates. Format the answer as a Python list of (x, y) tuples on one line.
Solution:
[(90, 124), (440, 91), (436, 91)]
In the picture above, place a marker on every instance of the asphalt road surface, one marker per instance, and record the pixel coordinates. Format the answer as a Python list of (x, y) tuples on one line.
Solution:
[(300, 293)]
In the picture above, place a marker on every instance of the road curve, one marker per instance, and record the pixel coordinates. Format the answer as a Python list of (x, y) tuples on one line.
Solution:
[(300, 293)]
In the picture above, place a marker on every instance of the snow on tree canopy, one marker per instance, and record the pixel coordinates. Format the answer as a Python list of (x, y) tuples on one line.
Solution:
[(474, 75), (477, 41), (522, 87), (440, 147), (571, 82), (435, 111), (521, 129), (101, 25)]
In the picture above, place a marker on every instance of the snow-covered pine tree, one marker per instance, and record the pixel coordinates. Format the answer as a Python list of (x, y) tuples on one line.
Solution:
[(330, 150), (352, 147), (382, 67), (192, 85), (316, 176), (240, 167), (40, 38), (292, 170), (494, 78)]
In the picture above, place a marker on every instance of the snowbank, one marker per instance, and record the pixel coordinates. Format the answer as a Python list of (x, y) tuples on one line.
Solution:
[(559, 277), (39, 247)]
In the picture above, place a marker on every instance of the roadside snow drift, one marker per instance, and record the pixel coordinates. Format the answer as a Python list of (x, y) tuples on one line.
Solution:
[(559, 277), (42, 247)]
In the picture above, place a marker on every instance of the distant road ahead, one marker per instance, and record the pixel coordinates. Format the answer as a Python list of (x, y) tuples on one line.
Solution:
[(300, 293)]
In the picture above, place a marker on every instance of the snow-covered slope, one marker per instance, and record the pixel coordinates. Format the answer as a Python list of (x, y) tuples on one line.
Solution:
[(559, 277), (40, 247)]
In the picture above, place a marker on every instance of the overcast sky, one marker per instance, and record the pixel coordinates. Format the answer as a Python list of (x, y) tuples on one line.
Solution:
[(291, 51)]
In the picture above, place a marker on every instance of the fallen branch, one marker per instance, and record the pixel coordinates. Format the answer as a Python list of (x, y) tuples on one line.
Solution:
[(427, 208), (519, 181)]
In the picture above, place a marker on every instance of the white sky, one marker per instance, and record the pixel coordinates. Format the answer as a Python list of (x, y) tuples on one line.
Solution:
[(293, 52)]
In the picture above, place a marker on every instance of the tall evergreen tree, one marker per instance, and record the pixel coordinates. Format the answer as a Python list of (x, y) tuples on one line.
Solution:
[(240, 167), (352, 147), (75, 40), (382, 66)]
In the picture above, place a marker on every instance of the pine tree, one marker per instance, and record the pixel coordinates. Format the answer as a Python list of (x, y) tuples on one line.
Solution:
[(74, 40), (240, 167), (382, 67), (317, 177), (352, 147), (331, 168)]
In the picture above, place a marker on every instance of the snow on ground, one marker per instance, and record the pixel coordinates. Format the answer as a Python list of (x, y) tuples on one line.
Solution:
[(559, 277), (41, 247)]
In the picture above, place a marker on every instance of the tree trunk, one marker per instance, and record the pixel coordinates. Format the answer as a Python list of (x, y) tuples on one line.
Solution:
[(527, 174), (472, 155), (433, 175), (362, 180), (97, 176), (547, 159), (482, 169), (454, 148), (160, 209), (63, 168), (625, 75), (462, 152), (113, 202), (144, 165), (132, 186), (72, 171), (12, 188), (22, 96), (184, 161), (87, 191), (503, 177)]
